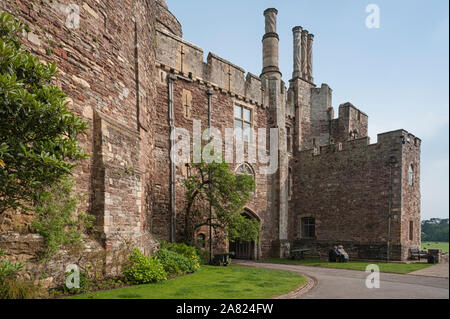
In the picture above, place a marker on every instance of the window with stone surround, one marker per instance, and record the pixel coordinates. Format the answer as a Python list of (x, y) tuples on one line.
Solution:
[(411, 230), (242, 123), (411, 175), (308, 229)]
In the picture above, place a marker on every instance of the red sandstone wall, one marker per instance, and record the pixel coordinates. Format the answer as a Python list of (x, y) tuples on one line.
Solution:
[(222, 117), (410, 196), (347, 192), (106, 68)]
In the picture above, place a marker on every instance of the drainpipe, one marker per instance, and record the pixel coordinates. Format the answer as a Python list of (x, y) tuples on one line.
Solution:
[(209, 93), (392, 162), (171, 79), (173, 223)]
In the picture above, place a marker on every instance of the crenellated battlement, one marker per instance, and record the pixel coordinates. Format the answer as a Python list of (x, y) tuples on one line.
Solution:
[(175, 54), (393, 140)]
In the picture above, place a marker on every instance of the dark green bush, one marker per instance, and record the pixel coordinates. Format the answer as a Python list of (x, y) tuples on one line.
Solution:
[(39, 135), (140, 269), (203, 255), (174, 263), (188, 251)]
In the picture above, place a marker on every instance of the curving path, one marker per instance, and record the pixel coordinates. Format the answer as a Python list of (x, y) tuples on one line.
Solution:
[(350, 284)]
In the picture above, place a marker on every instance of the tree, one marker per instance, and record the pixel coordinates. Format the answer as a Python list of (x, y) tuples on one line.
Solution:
[(38, 134), (227, 193), (435, 229)]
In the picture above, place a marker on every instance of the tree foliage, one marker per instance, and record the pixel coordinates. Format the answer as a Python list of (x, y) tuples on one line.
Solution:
[(435, 229), (38, 133), (54, 218), (227, 193)]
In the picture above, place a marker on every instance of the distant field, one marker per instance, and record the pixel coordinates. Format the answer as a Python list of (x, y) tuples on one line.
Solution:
[(435, 245)]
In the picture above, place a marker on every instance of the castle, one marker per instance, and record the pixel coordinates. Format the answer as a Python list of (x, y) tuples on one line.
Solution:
[(133, 78)]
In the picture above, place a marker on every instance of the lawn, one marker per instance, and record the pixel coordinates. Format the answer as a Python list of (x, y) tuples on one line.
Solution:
[(210, 282), (398, 268), (435, 245)]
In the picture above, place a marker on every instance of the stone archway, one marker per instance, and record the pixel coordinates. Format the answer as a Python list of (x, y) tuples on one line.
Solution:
[(246, 250)]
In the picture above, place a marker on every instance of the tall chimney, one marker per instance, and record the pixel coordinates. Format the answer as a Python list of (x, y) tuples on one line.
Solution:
[(270, 43), (304, 58), (297, 32)]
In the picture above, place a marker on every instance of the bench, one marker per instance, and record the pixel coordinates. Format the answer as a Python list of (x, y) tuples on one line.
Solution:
[(297, 254), (415, 252), (222, 259)]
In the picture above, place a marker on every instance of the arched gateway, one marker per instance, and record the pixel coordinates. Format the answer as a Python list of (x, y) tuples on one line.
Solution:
[(246, 249)]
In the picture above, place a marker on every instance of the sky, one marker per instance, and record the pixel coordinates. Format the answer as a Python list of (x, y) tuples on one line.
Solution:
[(397, 73)]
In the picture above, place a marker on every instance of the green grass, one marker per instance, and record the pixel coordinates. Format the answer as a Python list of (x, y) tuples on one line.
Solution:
[(435, 245), (398, 268), (210, 282)]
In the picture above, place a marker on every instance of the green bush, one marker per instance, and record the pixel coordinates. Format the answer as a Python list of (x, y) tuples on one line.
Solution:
[(174, 263), (55, 221), (13, 287), (39, 135), (203, 255), (140, 269), (188, 251)]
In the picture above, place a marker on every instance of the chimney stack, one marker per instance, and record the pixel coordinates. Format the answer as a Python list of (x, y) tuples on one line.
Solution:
[(297, 32), (270, 43), (309, 68)]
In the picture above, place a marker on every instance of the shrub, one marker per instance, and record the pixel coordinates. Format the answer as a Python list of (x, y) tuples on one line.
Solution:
[(13, 287), (39, 135), (188, 251), (174, 263), (203, 255), (140, 269), (55, 220)]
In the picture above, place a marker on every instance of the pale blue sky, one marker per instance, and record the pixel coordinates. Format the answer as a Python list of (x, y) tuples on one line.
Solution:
[(397, 74)]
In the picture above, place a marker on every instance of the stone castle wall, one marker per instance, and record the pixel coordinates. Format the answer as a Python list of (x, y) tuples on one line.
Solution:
[(116, 66), (345, 187), (105, 52)]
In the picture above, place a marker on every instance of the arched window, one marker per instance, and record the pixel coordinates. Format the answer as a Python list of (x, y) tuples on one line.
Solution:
[(201, 240), (411, 175), (246, 169)]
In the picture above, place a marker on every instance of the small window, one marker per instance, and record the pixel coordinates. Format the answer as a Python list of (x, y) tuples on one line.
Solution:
[(411, 175), (411, 230), (201, 240), (308, 227), (242, 123)]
